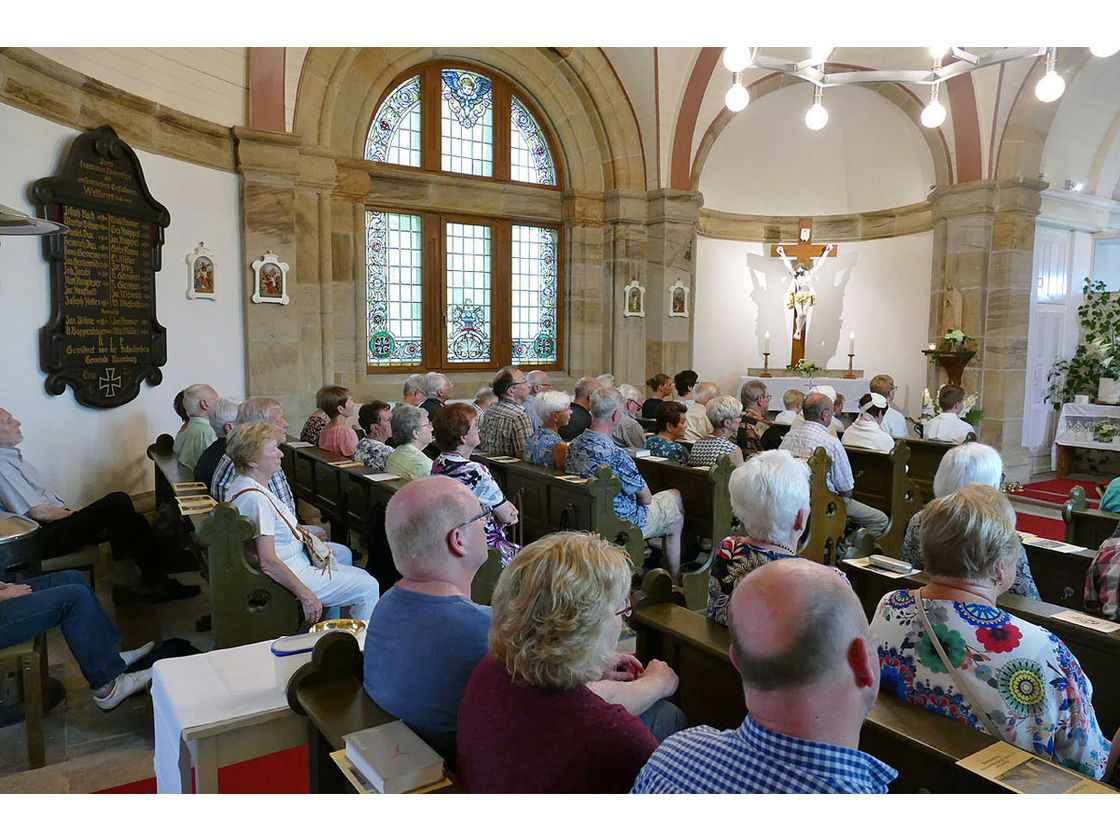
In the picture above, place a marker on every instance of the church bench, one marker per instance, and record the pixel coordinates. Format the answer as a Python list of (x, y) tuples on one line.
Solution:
[(317, 481), (168, 470), (1085, 526), (882, 481), (923, 746), (1060, 576), (1098, 652), (328, 691), (925, 458)]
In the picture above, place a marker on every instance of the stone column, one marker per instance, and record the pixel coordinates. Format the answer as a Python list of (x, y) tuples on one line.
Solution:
[(674, 218), (587, 330), (984, 246), (624, 260)]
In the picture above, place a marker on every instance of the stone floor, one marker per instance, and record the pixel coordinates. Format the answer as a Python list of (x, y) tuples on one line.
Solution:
[(88, 749)]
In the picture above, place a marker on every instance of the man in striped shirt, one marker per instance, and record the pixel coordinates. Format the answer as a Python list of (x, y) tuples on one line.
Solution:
[(810, 675)]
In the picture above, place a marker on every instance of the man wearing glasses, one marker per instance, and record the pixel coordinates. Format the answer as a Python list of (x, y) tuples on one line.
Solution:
[(756, 402), (538, 383), (505, 426), (630, 434)]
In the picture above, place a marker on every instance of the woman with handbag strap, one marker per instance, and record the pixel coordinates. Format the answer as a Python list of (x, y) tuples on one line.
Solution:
[(280, 541), (950, 648)]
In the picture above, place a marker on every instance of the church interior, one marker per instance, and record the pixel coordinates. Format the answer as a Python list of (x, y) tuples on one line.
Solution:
[(658, 196)]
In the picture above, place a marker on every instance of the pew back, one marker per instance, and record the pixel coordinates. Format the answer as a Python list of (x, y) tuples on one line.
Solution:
[(1085, 526)]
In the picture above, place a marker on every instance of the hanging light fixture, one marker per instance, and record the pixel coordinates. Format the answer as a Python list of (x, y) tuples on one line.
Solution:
[(15, 223), (1104, 52), (933, 114), (816, 117), (737, 96), (1051, 85), (938, 53), (819, 55), (737, 59)]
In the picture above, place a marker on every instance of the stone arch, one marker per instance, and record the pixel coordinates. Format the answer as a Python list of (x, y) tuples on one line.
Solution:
[(899, 95), (579, 96)]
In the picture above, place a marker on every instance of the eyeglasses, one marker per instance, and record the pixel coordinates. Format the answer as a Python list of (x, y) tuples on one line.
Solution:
[(629, 608), (487, 514)]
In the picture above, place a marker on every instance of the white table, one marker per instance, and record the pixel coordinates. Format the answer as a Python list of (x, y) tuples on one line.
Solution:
[(852, 389), (216, 709), (1075, 430)]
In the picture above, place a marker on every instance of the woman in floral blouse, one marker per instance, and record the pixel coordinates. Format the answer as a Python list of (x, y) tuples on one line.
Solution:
[(670, 428), (770, 496), (1003, 675), (456, 434), (545, 447)]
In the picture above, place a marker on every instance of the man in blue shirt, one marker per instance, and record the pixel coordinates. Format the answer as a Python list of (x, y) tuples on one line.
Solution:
[(660, 515), (810, 674)]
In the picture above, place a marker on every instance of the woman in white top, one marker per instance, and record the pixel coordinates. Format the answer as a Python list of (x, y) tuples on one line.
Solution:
[(867, 431), (256, 457)]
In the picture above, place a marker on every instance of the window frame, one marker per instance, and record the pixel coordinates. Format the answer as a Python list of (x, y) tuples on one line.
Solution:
[(433, 228)]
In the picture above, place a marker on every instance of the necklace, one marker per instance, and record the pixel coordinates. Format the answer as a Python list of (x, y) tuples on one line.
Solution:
[(780, 545)]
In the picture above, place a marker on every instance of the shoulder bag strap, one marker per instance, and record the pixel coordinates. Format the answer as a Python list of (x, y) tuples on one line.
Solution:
[(296, 529), (961, 680)]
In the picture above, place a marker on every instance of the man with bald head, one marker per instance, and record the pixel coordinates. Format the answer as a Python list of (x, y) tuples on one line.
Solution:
[(696, 422), (810, 673), (803, 441), (426, 635), (581, 408), (194, 438)]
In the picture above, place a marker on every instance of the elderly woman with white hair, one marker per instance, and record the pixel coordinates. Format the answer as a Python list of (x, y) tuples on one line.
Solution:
[(967, 464), (544, 446), (770, 496), (725, 413), (948, 647), (412, 431)]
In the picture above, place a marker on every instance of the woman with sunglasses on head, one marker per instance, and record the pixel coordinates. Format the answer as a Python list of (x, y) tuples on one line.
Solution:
[(456, 434)]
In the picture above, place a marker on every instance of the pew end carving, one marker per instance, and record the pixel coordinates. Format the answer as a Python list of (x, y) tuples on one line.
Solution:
[(827, 517)]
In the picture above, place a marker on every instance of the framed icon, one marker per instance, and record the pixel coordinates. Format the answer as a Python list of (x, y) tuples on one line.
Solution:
[(678, 300), (635, 300), (270, 280), (200, 273)]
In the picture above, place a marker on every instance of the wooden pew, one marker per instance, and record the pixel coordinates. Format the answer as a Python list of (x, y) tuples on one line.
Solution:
[(921, 745), (328, 691), (925, 458), (1085, 526), (1060, 576), (1098, 653), (828, 515), (881, 480)]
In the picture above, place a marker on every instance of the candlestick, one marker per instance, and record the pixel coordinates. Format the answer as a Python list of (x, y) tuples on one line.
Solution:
[(850, 374), (766, 343), (766, 361), (851, 343)]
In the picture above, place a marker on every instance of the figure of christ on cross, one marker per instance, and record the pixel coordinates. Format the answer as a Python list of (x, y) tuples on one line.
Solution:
[(802, 261)]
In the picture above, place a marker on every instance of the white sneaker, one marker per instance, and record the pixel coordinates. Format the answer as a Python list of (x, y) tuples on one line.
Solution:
[(124, 686), (130, 656)]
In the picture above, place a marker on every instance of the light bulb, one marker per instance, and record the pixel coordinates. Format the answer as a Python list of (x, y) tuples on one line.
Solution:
[(737, 97), (816, 117), (1104, 52), (938, 52), (736, 59), (820, 54), (1050, 87), (933, 114)]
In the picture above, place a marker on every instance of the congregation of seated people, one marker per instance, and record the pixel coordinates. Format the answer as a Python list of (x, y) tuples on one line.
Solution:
[(531, 692)]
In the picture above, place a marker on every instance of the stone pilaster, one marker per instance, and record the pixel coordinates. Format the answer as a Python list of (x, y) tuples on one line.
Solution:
[(984, 247), (624, 260), (673, 220)]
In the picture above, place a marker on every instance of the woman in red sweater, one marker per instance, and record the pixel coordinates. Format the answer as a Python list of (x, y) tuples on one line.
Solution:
[(528, 722)]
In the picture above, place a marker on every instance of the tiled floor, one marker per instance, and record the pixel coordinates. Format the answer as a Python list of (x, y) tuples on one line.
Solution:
[(88, 749)]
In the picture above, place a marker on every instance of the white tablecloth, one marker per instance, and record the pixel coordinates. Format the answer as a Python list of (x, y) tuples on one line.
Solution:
[(208, 688), (852, 389), (1076, 425)]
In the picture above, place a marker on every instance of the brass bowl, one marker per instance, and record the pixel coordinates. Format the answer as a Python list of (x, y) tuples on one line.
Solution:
[(350, 625)]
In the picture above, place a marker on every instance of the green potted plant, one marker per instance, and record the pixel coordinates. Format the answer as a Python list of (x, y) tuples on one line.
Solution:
[(1094, 358), (805, 368)]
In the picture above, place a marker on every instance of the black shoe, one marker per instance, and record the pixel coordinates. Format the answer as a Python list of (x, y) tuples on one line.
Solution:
[(170, 589), (130, 595)]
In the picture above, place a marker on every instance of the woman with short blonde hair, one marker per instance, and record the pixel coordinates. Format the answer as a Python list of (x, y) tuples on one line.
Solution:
[(530, 722), (725, 413)]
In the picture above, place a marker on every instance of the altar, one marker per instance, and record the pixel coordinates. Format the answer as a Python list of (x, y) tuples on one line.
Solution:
[(852, 389), (1077, 429)]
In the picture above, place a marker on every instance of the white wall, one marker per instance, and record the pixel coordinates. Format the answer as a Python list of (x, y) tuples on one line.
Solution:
[(85, 452), (870, 156), (885, 302)]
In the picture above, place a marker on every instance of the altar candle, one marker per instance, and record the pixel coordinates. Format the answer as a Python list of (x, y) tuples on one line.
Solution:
[(933, 347), (766, 343), (851, 342)]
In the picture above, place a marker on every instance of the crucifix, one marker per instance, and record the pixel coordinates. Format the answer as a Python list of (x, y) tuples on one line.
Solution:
[(803, 261)]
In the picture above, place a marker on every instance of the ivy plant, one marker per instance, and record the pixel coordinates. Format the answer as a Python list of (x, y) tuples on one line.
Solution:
[(1096, 354)]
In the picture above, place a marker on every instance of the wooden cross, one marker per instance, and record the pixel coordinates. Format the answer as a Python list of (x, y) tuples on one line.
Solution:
[(802, 254)]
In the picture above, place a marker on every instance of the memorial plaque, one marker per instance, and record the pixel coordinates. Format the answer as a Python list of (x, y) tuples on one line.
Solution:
[(103, 337)]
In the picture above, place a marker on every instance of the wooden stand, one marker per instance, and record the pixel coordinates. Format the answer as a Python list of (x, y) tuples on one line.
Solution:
[(952, 361), (849, 374), (765, 366)]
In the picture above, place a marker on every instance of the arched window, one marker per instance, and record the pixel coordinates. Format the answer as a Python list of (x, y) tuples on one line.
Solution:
[(457, 290)]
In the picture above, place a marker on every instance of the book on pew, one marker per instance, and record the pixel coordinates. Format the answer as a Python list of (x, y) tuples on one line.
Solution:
[(298, 444), (1024, 772), (393, 758)]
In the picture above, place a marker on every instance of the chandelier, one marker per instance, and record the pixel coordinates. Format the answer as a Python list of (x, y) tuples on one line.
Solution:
[(737, 59)]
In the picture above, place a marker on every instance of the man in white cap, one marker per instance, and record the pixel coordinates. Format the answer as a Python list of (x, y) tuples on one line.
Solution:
[(835, 428), (867, 432)]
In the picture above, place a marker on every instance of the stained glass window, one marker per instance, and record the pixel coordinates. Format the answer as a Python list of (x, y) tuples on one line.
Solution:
[(468, 293), (467, 123), (394, 305), (394, 135), (529, 158), (533, 293)]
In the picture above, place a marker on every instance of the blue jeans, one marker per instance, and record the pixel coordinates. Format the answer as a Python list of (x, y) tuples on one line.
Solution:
[(65, 599)]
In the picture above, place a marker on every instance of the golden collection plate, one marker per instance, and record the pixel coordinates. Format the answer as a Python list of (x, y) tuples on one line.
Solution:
[(350, 625)]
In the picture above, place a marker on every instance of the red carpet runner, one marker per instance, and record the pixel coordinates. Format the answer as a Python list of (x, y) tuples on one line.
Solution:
[(280, 772)]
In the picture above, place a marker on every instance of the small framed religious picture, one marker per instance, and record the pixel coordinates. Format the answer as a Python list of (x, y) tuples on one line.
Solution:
[(200, 273), (678, 299), (270, 280), (635, 300)]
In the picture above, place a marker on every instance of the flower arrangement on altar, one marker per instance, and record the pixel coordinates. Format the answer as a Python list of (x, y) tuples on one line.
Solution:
[(1104, 431), (969, 412), (954, 341), (805, 368)]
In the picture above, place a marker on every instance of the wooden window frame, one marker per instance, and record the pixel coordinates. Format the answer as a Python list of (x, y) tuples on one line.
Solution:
[(433, 228)]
